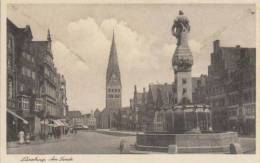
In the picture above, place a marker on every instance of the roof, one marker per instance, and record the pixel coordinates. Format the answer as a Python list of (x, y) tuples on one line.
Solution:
[(113, 71), (25, 31), (39, 49), (74, 114), (231, 55), (165, 89)]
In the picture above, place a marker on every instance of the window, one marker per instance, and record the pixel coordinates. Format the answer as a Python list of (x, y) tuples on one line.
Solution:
[(184, 91), (184, 81), (25, 103), (33, 75), (10, 90), (9, 62), (29, 73), (28, 56), (10, 43), (22, 87), (23, 71), (24, 54)]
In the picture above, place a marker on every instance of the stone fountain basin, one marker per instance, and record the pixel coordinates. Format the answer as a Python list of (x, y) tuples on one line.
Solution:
[(187, 143)]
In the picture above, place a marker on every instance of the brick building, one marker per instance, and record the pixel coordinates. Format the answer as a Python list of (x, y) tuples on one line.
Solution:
[(231, 91), (144, 105), (199, 89)]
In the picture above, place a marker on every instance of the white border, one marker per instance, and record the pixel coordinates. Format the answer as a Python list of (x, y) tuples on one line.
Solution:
[(180, 158)]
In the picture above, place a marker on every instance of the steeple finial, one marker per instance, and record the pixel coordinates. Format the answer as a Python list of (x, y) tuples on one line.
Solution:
[(113, 37), (49, 35)]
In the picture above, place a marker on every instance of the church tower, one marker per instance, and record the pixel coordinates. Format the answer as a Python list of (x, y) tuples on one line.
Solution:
[(113, 85)]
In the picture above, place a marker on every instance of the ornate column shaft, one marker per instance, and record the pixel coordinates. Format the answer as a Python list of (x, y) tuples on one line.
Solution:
[(182, 60)]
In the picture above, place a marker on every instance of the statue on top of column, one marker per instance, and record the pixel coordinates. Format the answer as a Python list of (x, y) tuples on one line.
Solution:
[(181, 24)]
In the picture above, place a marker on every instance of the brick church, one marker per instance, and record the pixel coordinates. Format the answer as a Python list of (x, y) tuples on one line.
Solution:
[(113, 90)]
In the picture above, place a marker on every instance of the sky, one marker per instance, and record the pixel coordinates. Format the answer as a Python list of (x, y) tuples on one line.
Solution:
[(82, 34)]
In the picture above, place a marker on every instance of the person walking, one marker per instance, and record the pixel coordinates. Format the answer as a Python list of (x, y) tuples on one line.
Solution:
[(27, 138), (121, 146)]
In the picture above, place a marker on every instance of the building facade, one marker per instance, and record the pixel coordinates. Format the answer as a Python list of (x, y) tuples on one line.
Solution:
[(31, 81), (231, 88), (75, 118), (199, 89), (90, 121), (97, 115)]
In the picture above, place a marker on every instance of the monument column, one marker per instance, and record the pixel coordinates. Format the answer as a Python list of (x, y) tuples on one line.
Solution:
[(182, 60)]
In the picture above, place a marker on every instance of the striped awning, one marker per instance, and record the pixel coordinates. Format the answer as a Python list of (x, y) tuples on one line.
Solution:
[(17, 116), (58, 122)]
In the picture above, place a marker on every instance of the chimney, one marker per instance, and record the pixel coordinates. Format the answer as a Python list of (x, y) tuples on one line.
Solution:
[(144, 90), (238, 46)]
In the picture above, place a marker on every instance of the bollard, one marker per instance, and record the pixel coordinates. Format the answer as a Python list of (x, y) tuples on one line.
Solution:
[(235, 148)]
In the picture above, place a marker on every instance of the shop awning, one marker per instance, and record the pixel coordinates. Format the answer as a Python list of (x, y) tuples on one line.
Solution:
[(66, 124), (17, 116), (52, 125), (58, 123)]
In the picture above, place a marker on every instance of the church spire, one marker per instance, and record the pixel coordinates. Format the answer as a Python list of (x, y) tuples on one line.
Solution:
[(113, 67), (48, 35)]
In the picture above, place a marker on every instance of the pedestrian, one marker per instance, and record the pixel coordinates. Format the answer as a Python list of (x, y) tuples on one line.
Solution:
[(27, 137), (54, 132), (21, 137), (121, 146)]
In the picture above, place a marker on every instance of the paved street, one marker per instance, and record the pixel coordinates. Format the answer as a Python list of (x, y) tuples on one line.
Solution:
[(95, 143), (248, 145), (82, 143)]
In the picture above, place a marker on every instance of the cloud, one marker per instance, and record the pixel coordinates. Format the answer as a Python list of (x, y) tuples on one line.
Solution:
[(92, 41)]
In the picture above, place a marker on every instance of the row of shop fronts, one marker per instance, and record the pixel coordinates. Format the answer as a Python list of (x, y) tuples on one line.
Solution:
[(34, 126), (53, 128)]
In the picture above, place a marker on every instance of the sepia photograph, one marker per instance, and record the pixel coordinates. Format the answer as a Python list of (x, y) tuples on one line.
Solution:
[(130, 79)]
